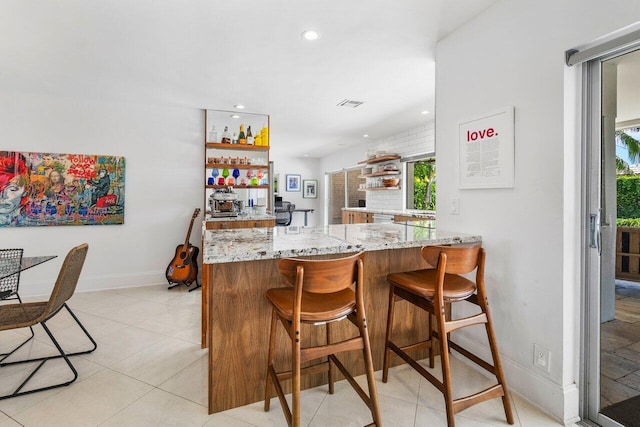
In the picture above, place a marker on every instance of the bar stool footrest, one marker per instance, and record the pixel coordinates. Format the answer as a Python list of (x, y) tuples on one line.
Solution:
[(363, 395), (466, 402), (418, 367)]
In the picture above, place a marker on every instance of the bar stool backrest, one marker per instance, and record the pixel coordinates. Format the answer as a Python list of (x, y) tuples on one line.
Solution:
[(322, 276), (459, 259)]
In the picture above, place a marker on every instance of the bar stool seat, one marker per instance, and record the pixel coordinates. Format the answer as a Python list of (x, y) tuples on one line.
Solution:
[(424, 283), (315, 307), (319, 293), (432, 290)]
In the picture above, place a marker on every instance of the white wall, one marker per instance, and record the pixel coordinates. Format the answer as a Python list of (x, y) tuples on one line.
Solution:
[(307, 168), (163, 149), (513, 54)]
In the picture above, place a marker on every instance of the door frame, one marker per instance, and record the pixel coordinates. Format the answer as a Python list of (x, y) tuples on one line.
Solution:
[(593, 124)]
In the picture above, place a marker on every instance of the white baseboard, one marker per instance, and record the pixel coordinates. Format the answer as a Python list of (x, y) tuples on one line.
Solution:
[(559, 402), (43, 288)]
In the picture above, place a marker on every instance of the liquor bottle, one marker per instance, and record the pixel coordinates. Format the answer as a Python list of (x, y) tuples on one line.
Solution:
[(249, 136), (226, 136), (235, 138), (242, 139), (213, 134), (264, 134)]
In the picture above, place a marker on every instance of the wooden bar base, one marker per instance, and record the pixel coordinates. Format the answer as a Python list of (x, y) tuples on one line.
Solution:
[(239, 318)]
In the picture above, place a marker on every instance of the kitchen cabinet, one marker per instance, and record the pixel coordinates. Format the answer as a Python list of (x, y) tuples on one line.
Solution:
[(352, 217), (250, 162), (382, 175), (241, 223)]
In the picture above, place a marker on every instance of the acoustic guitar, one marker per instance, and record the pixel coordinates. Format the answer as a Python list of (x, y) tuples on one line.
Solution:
[(183, 268)]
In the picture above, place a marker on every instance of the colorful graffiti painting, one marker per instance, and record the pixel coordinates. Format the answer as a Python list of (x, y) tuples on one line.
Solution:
[(38, 189)]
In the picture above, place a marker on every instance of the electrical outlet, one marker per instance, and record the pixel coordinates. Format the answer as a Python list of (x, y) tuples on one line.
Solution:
[(542, 358)]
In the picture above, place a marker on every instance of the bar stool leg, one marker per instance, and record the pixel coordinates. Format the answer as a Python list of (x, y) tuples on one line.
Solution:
[(431, 351), (387, 340), (331, 368), (368, 361), (272, 346), (295, 370), (444, 359), (497, 362)]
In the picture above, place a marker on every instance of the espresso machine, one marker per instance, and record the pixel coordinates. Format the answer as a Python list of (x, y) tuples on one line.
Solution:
[(224, 203)]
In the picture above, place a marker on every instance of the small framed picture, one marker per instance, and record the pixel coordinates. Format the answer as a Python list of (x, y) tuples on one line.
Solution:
[(310, 189), (293, 183)]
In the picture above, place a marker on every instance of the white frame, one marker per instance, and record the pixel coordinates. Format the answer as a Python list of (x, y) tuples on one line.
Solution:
[(311, 183), (495, 131)]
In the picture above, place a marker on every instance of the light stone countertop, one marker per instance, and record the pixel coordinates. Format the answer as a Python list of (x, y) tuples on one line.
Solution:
[(250, 244), (248, 217), (404, 212)]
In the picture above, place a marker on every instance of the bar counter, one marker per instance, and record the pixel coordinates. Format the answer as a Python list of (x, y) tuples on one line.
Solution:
[(239, 266)]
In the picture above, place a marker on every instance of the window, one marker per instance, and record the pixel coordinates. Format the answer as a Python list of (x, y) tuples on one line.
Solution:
[(421, 184)]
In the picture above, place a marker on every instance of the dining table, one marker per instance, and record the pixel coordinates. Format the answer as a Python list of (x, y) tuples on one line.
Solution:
[(25, 264)]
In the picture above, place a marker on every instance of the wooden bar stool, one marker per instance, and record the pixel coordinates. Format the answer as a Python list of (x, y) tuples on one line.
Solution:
[(320, 294), (431, 289)]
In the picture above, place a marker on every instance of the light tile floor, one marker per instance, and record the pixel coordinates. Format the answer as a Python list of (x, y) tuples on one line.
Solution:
[(620, 345), (149, 370)]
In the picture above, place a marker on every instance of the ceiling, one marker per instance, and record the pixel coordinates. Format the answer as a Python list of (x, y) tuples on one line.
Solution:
[(628, 88), (216, 54)]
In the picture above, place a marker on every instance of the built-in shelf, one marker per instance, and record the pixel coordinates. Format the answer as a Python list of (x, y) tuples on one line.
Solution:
[(230, 166), (219, 187), (380, 159), (221, 146), (380, 188), (382, 173)]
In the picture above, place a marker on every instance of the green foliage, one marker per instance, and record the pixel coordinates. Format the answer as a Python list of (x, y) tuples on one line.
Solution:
[(628, 196), (424, 186), (628, 222)]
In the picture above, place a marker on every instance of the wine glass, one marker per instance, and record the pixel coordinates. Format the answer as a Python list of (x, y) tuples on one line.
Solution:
[(236, 174), (214, 175)]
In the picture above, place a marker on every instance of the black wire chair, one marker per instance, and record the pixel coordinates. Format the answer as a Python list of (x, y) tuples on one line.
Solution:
[(21, 315), (10, 260)]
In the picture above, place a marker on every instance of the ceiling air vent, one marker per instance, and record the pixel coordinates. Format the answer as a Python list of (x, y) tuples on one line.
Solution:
[(350, 103)]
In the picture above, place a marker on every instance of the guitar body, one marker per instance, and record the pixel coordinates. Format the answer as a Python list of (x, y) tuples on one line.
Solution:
[(183, 268)]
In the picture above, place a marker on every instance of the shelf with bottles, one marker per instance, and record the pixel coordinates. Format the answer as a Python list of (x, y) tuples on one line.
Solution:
[(236, 130), (221, 146)]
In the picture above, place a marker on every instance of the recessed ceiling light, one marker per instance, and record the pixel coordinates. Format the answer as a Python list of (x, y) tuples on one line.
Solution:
[(424, 112), (306, 155), (310, 35), (239, 106), (235, 116), (365, 135)]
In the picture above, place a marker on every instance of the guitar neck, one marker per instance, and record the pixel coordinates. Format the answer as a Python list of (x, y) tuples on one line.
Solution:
[(186, 240)]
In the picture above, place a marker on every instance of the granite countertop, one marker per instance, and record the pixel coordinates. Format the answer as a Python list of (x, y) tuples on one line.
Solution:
[(405, 212), (249, 244), (248, 217)]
